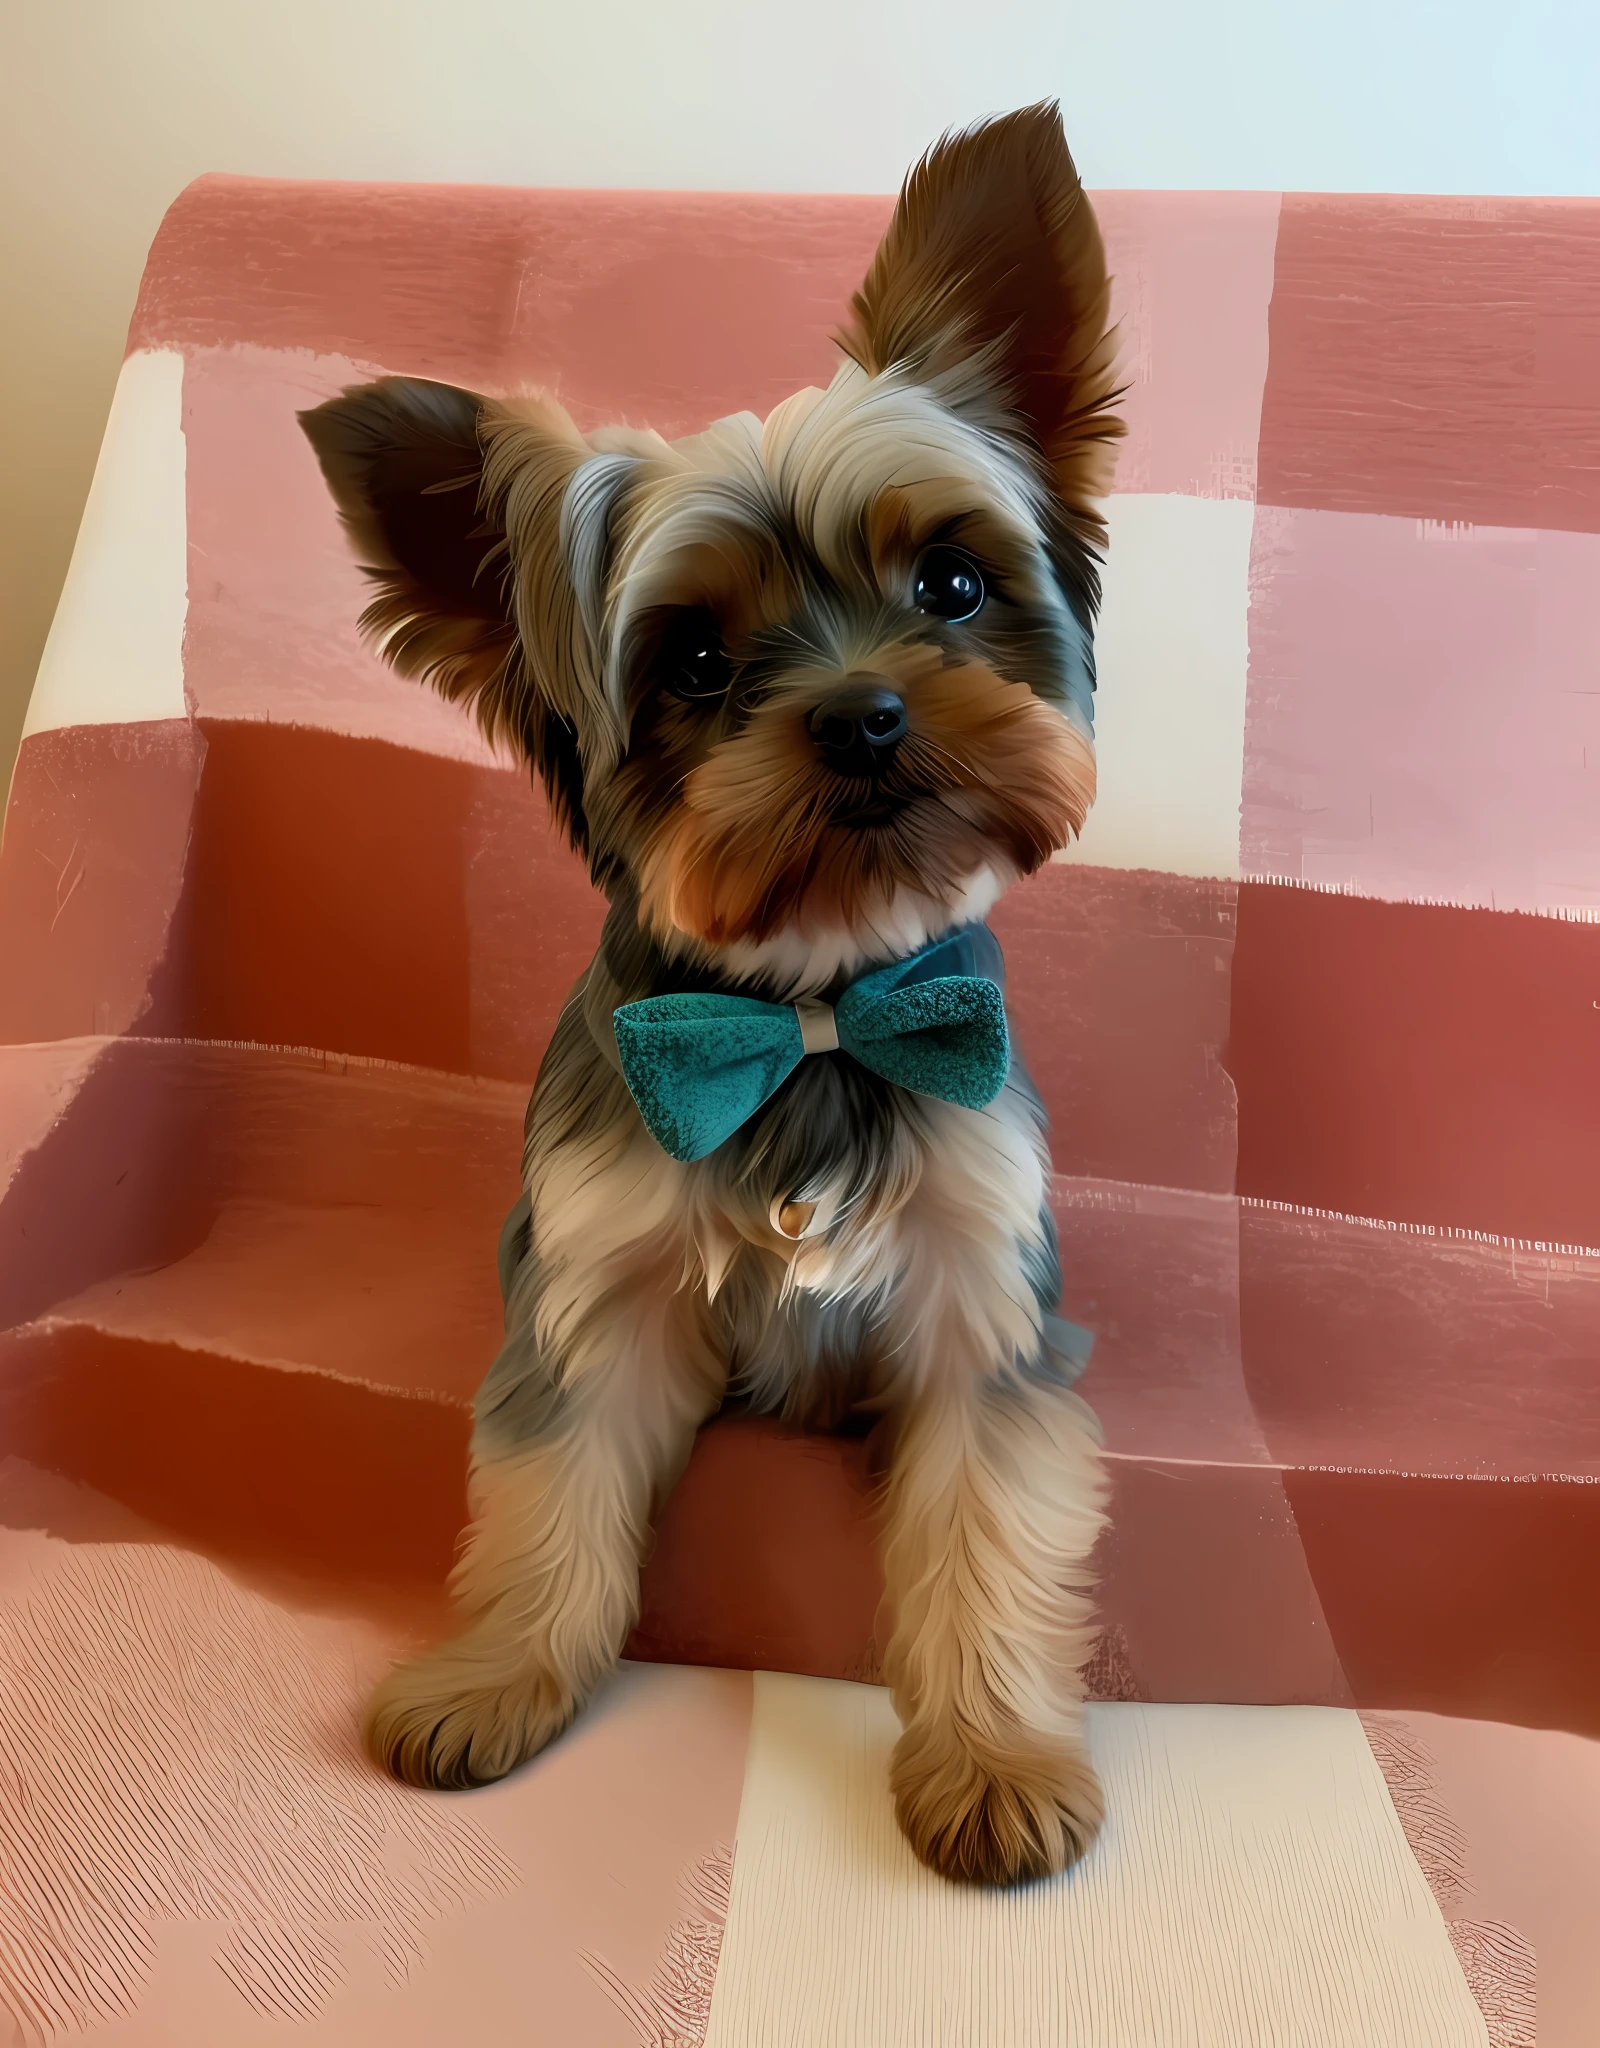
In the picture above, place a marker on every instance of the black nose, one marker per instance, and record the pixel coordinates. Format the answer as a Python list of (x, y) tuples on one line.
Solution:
[(858, 728)]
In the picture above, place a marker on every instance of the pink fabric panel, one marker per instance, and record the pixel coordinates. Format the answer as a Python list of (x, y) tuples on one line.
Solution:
[(96, 838), (1154, 1272), (665, 309), (305, 1478), (115, 1183), (766, 1556), (1205, 1588), (1118, 985), (1436, 359), (1197, 1505), (1419, 1351), (533, 923), (37, 1083), (1526, 1803), (1191, 280), (1464, 1596), (1424, 710), (374, 899), (353, 1212), (238, 1866), (262, 1296), (1429, 1065)]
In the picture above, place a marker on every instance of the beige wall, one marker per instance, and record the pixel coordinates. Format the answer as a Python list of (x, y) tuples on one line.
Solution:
[(111, 106)]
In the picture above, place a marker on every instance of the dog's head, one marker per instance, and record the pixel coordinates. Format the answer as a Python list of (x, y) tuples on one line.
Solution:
[(809, 689)]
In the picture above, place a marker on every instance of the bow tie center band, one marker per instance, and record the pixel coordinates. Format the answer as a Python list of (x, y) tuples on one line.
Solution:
[(700, 1066), (819, 1025)]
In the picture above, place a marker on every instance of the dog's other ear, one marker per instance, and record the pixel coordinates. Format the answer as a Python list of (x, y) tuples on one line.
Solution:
[(405, 466), (992, 279), (405, 461)]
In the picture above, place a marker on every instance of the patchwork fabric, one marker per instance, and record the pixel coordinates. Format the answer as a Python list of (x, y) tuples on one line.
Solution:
[(1311, 1005)]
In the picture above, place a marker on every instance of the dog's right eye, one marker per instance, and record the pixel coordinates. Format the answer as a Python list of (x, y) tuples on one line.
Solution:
[(694, 662), (949, 586)]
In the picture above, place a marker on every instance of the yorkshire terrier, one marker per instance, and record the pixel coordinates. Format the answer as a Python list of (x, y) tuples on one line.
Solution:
[(807, 694)]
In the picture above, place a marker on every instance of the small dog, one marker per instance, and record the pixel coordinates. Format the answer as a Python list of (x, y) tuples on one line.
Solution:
[(806, 694)]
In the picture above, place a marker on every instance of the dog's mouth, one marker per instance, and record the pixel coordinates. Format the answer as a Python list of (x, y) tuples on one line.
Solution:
[(871, 807)]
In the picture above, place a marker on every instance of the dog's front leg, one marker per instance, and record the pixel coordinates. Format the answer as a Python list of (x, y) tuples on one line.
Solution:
[(994, 1502), (587, 1418)]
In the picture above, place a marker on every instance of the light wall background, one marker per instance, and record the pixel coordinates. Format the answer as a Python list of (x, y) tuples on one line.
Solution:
[(111, 106)]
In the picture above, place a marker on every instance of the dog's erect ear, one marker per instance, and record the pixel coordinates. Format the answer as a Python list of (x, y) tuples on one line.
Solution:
[(405, 461), (992, 278)]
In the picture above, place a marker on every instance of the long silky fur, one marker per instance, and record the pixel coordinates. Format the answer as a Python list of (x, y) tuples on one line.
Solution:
[(854, 1253)]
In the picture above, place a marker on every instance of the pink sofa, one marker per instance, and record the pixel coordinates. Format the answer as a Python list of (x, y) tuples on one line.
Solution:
[(1316, 1012)]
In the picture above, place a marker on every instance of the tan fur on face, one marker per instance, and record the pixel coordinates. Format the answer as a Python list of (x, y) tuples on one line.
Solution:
[(744, 840), (755, 844)]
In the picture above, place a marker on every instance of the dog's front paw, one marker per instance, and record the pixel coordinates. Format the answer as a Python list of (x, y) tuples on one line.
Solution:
[(994, 1815), (447, 1721)]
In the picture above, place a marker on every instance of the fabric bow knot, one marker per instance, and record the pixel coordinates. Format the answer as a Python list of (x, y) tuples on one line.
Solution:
[(699, 1066)]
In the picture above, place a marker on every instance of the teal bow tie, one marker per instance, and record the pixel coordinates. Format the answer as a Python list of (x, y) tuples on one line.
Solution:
[(699, 1066)]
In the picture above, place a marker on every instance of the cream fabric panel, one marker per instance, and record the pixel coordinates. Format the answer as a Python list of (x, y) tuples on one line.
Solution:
[(1252, 1887), (1172, 652), (115, 649)]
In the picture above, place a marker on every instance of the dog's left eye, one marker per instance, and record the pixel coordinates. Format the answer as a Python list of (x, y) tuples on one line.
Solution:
[(949, 586), (695, 663)]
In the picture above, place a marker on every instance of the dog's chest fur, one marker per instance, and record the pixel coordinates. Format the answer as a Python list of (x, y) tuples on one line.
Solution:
[(896, 1179)]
